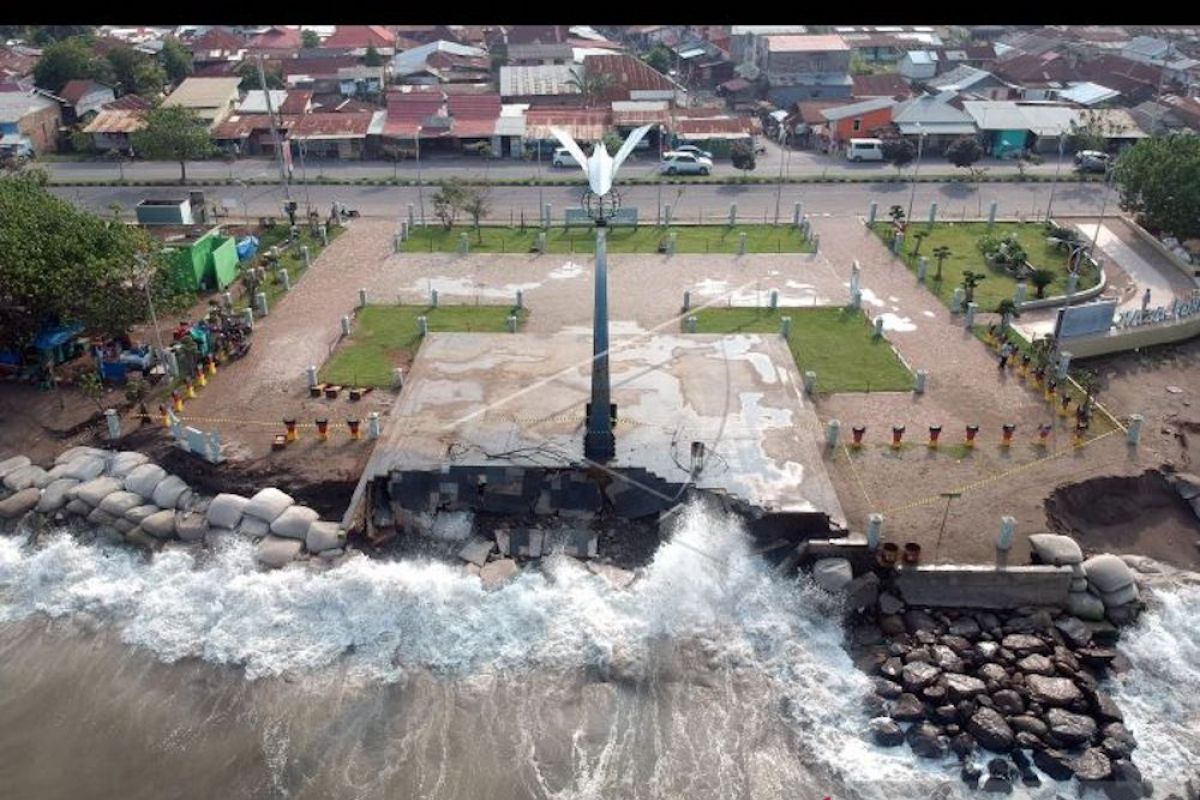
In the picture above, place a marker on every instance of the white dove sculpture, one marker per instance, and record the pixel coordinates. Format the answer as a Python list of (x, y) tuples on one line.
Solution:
[(601, 168)]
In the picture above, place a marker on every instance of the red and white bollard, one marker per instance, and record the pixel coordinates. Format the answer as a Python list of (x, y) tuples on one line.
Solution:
[(972, 430), (897, 435), (1006, 437), (353, 424), (857, 432), (934, 432), (1044, 433), (289, 423), (322, 428)]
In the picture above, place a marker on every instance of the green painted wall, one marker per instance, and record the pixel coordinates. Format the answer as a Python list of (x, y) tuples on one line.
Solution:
[(225, 262), (210, 261)]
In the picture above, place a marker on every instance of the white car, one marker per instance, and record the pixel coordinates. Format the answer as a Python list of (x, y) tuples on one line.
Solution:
[(563, 158), (677, 163), (696, 151)]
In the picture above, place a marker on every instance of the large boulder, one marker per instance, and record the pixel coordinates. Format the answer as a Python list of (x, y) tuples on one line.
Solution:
[(1086, 606), (1107, 573), (1036, 664), (908, 708), (126, 462), (917, 675), (962, 687), (268, 504), (12, 463), (170, 492), (80, 451), (926, 740), (160, 525), (991, 730), (294, 521), (276, 551), (26, 477), (832, 574), (83, 468), (323, 536), (118, 503), (1070, 728), (1054, 763), (886, 732), (1092, 766), (54, 496), (1024, 643), (94, 491), (1052, 691), (144, 480), (1103, 707), (1074, 631), (495, 574), (225, 510), (1052, 548), (20, 503)]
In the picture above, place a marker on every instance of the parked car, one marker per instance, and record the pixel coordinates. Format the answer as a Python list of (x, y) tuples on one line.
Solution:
[(563, 158), (864, 150), (1092, 161), (696, 151), (677, 163)]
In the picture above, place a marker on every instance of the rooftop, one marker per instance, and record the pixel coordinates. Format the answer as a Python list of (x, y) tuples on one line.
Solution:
[(361, 36), (76, 90), (550, 79), (860, 107), (204, 92), (331, 125), (116, 120), (813, 43)]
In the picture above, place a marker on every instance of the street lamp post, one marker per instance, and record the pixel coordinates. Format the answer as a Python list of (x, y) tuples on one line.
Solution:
[(779, 188), (1057, 167), (916, 171), (1108, 180), (420, 183)]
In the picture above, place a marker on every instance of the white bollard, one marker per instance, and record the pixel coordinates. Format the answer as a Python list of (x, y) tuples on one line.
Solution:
[(247, 320), (286, 279), (540, 244), (520, 298), (898, 243), (878, 328), (732, 214), (785, 327), (312, 375), (423, 325), (1020, 292), (956, 302), (932, 213), (114, 423), (1134, 432), (362, 298), (345, 325), (691, 324), (512, 323), (831, 433), (922, 377), (306, 255), (672, 241), (774, 299), (855, 276), (397, 378), (396, 240), (412, 216), (261, 299), (797, 214), (546, 214), (1008, 531), (324, 234), (810, 382), (816, 240), (992, 215), (872, 210), (373, 425), (433, 298), (666, 214), (687, 301), (741, 244), (969, 319), (874, 530), (922, 269)]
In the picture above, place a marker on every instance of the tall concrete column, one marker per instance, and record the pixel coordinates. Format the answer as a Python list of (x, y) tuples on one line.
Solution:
[(599, 443), (872, 210), (113, 422), (991, 215), (1134, 432)]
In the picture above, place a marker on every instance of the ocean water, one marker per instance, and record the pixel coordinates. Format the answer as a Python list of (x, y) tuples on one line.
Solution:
[(710, 677)]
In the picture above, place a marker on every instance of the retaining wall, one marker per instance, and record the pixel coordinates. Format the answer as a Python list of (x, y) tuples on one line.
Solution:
[(959, 586), (1119, 340)]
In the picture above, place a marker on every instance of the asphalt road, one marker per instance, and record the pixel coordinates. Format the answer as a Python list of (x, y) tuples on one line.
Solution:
[(698, 203), (796, 163)]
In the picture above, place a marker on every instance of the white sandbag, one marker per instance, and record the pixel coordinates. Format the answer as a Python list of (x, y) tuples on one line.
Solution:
[(137, 515), (191, 527), (58, 472), (1120, 597), (323, 536), (1051, 548), (225, 510), (276, 551), (118, 503), (101, 517), (76, 506), (140, 538), (83, 468), (126, 462), (54, 496), (144, 479), (94, 491), (123, 525), (293, 523), (1107, 573), (26, 477), (20, 503), (1079, 584), (169, 491), (253, 527), (160, 525), (72, 453), (268, 504), (15, 462), (1085, 605)]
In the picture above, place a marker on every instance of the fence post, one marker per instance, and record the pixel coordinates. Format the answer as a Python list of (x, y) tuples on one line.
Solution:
[(732, 214), (666, 213), (969, 319), (286, 280), (872, 210), (113, 421), (345, 324), (933, 213), (691, 324), (922, 269), (742, 243), (687, 301), (423, 325), (785, 327), (774, 299), (797, 213), (433, 298), (362, 298), (991, 215), (261, 299)]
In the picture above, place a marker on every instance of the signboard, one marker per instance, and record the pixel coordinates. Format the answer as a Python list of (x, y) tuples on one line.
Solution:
[(1084, 320), (578, 217), (1178, 310)]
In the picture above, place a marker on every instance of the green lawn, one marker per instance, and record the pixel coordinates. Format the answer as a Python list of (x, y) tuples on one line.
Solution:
[(961, 239), (385, 336), (643, 239), (835, 343)]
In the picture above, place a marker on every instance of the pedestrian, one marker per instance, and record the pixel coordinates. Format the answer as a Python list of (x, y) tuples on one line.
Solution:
[(1005, 353), (1146, 300)]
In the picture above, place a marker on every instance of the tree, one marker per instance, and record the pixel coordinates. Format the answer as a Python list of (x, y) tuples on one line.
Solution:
[(476, 203), (173, 133), (970, 280), (898, 152), (1008, 311), (859, 64), (941, 253), (310, 39), (248, 72), (1159, 180), (449, 200), (68, 60), (592, 86), (81, 142), (372, 57), (176, 60), (65, 265), (149, 79), (612, 142), (92, 388), (742, 156), (964, 151), (1041, 278), (918, 236), (896, 212), (1026, 159), (1091, 131), (123, 60), (659, 59)]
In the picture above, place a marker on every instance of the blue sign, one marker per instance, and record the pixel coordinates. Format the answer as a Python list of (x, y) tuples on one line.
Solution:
[(1085, 320)]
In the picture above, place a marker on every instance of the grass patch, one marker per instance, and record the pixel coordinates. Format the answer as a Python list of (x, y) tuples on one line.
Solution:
[(643, 239), (836, 343), (290, 259), (961, 239), (385, 336)]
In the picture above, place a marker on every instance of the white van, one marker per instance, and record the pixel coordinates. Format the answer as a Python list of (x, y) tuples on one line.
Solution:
[(865, 150)]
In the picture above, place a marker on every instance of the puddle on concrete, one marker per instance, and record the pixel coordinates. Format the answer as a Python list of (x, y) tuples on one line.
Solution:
[(566, 271), (871, 297), (892, 322), (451, 287), (930, 314)]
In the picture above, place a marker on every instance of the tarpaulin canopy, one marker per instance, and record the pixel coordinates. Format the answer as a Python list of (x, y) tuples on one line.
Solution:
[(50, 338)]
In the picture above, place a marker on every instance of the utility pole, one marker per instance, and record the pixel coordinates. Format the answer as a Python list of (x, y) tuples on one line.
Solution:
[(262, 81), (916, 171), (1057, 167), (420, 183)]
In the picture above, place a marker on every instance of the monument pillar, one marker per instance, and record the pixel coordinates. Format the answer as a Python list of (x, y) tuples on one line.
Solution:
[(599, 443)]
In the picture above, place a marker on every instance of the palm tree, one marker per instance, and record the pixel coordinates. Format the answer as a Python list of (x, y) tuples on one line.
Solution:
[(1007, 309), (970, 280), (1041, 278), (941, 253), (896, 213), (592, 85), (919, 236)]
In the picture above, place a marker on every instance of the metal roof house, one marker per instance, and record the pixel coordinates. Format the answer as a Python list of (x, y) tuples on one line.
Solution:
[(939, 118), (213, 99)]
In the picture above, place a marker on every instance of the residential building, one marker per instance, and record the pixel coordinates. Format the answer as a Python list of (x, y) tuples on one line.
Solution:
[(940, 118), (805, 67), (1137, 82), (361, 80), (17, 61), (29, 122), (111, 128), (633, 79), (1089, 95), (716, 133), (886, 84), (213, 99), (217, 45), (319, 75), (919, 65), (334, 135), (413, 66), (544, 85), (743, 39), (978, 56), (1158, 118), (1040, 77), (83, 97), (1186, 109), (862, 119), (255, 101), (277, 41), (1008, 127), (530, 55), (805, 126), (973, 82), (357, 39), (250, 134)]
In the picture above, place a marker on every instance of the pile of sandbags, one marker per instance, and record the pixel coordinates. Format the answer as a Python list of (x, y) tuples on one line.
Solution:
[(1102, 586), (1111, 579), (284, 528)]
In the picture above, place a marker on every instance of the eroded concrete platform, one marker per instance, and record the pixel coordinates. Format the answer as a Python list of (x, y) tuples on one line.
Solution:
[(519, 399)]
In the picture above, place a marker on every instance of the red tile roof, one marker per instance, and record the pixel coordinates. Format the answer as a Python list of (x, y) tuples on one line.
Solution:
[(296, 102), (317, 67), (629, 74), (278, 39), (717, 125), (218, 39), (888, 84), (407, 113), (474, 115), (355, 36), (330, 126)]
